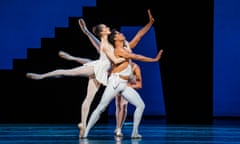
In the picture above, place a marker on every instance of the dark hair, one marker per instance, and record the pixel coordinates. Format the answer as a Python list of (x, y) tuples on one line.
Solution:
[(111, 36)]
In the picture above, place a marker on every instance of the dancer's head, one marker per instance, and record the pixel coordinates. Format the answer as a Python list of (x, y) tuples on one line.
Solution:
[(101, 30), (116, 36)]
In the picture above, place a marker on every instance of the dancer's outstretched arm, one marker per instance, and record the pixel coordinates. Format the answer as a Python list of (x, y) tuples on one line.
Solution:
[(142, 31), (126, 54), (67, 56), (92, 38)]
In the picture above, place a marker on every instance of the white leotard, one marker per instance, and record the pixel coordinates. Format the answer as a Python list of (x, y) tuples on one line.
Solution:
[(102, 67)]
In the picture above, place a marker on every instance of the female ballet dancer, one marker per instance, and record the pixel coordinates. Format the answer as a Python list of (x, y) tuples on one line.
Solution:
[(94, 84), (117, 83)]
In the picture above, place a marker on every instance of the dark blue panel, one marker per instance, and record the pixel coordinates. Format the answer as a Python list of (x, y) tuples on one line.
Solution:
[(226, 58), (25, 22)]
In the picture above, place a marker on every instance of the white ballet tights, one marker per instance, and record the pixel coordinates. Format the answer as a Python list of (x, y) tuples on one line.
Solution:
[(85, 70), (93, 87), (130, 94)]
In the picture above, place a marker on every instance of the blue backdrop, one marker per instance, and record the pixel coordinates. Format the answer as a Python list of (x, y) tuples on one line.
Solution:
[(226, 71), (24, 22)]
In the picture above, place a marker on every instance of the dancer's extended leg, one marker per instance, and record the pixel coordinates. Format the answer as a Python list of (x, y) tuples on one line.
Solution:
[(84, 70)]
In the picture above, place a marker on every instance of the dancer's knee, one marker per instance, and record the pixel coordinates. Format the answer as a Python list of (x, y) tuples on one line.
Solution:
[(102, 108), (85, 105), (142, 106)]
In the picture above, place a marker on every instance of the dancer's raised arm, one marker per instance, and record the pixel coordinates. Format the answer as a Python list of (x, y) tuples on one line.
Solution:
[(142, 31), (94, 40)]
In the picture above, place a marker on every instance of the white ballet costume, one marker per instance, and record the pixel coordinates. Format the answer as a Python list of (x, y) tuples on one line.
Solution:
[(101, 67), (118, 85)]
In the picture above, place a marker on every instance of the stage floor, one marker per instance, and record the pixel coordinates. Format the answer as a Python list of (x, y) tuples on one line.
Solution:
[(152, 133)]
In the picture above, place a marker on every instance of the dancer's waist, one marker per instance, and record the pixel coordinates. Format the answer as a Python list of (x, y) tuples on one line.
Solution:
[(116, 79), (123, 77)]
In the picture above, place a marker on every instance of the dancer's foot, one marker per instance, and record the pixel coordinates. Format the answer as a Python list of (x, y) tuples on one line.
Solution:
[(82, 130), (33, 76), (64, 55), (118, 132), (136, 136)]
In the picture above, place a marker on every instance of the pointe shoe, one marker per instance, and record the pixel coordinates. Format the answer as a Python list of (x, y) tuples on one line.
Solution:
[(64, 55), (33, 76), (136, 136), (82, 130), (118, 133)]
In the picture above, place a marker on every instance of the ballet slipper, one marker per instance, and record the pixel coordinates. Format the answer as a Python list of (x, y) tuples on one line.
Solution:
[(118, 132), (64, 55), (33, 76), (136, 136), (82, 130)]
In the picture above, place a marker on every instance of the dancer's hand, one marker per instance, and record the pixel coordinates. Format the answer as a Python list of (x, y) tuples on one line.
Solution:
[(151, 19), (159, 55), (82, 25)]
